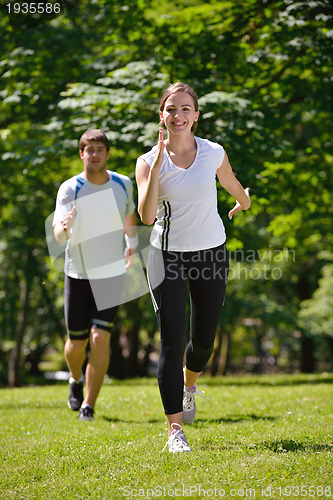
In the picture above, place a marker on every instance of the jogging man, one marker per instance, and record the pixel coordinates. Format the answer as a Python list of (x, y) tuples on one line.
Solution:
[(93, 210)]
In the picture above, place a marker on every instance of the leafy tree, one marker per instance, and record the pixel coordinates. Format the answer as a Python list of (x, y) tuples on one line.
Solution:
[(35, 69), (316, 314), (263, 73)]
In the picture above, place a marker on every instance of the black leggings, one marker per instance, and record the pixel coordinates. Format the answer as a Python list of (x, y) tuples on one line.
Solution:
[(205, 273)]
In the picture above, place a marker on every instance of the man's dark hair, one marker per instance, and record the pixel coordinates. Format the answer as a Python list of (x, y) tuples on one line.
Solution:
[(94, 135)]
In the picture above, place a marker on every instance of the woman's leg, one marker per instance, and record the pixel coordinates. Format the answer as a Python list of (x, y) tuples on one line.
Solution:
[(207, 276), (170, 299), (207, 282)]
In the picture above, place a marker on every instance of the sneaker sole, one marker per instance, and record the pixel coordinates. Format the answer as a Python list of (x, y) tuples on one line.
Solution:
[(187, 422), (189, 416), (73, 409), (179, 451)]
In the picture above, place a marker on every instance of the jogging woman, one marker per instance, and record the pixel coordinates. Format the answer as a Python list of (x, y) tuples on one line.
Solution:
[(177, 189)]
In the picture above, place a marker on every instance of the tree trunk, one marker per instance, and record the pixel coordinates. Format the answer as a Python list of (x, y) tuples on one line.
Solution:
[(117, 361), (223, 354), (132, 362), (307, 360), (214, 360), (22, 321), (330, 345), (220, 354)]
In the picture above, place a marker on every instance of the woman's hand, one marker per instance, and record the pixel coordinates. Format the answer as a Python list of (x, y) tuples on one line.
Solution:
[(158, 160), (238, 207), (147, 180), (233, 186)]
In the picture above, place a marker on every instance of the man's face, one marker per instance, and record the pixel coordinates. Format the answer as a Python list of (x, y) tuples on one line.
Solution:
[(94, 156)]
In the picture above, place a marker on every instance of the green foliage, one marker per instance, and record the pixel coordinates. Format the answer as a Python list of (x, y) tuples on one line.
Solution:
[(317, 313), (263, 75)]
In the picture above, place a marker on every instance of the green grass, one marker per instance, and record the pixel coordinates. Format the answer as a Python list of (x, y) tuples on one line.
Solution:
[(252, 434)]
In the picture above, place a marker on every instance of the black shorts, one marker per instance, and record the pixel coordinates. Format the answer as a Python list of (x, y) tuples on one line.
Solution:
[(82, 311)]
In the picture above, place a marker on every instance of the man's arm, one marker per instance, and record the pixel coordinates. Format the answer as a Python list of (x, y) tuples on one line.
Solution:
[(130, 225), (62, 229)]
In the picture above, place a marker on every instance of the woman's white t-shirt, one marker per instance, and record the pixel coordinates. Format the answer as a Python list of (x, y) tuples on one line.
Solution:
[(187, 218)]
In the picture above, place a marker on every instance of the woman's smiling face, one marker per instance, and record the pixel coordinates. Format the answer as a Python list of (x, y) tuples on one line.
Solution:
[(179, 113)]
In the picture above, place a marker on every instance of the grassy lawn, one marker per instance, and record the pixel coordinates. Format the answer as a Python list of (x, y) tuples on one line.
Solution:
[(256, 437)]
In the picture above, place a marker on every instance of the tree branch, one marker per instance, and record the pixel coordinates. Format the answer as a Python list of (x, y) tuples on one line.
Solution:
[(280, 73)]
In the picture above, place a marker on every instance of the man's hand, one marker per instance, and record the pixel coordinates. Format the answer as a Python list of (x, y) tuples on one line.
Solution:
[(129, 257), (68, 221), (61, 229)]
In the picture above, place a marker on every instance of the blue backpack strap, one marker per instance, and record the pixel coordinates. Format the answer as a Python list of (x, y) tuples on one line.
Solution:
[(115, 177), (79, 183)]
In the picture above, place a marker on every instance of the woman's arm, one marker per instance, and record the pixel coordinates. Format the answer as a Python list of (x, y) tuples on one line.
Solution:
[(147, 180), (233, 186)]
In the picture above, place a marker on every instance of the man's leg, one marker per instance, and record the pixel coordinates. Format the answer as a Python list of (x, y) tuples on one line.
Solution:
[(75, 354), (101, 326), (98, 364), (77, 315)]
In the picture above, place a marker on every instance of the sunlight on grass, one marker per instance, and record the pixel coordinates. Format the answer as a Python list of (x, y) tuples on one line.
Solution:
[(267, 433)]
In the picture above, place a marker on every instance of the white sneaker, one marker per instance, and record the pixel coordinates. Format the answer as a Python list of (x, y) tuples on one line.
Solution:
[(189, 406), (177, 440)]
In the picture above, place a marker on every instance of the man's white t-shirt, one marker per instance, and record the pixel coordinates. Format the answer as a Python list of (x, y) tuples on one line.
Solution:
[(187, 218), (95, 248)]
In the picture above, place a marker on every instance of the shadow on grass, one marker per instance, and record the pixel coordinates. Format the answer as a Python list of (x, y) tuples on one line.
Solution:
[(241, 380), (233, 419), (227, 420), (54, 405), (132, 421), (277, 446), (290, 445), (232, 380), (270, 380)]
